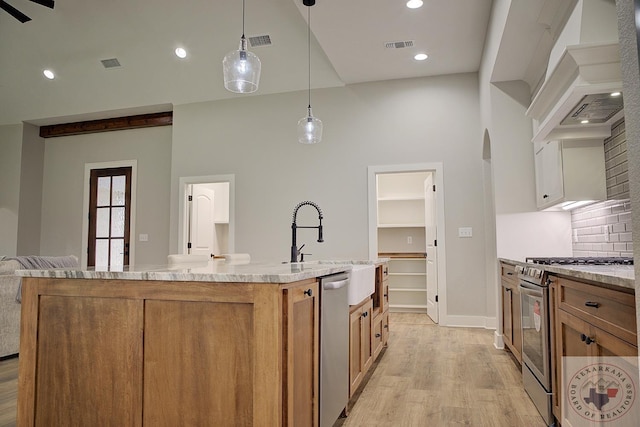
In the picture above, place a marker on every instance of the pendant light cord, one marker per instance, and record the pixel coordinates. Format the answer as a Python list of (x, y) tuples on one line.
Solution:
[(242, 19), (309, 48)]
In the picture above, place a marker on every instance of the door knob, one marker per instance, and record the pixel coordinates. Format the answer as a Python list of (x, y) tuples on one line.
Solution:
[(308, 292)]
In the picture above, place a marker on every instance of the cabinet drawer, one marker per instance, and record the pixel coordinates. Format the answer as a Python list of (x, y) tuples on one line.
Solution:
[(611, 310), (508, 272)]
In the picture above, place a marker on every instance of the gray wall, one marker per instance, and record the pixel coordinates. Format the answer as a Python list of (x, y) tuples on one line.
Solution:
[(384, 123), (11, 148), (63, 188), (32, 163)]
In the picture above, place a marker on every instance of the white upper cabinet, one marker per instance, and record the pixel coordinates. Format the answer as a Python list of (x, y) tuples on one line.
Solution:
[(569, 171)]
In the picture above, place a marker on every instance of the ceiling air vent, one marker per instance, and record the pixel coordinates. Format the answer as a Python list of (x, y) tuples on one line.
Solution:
[(399, 45), (257, 41), (110, 63)]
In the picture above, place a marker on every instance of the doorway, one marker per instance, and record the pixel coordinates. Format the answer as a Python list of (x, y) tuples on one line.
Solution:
[(127, 243), (406, 225), (206, 215), (109, 218)]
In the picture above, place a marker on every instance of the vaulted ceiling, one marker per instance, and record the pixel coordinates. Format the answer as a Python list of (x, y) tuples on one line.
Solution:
[(348, 47)]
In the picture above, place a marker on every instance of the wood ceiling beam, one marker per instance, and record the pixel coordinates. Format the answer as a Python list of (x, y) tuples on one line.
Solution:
[(108, 125)]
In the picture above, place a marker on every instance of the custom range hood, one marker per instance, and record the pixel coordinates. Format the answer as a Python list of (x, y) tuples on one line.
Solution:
[(585, 85)]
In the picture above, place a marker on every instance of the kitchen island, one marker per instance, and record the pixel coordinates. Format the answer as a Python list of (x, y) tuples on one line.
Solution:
[(216, 344)]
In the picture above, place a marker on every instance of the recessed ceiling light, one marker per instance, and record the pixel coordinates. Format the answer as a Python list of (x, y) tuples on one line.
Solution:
[(421, 57), (584, 122), (181, 53), (414, 4), (614, 94), (49, 74)]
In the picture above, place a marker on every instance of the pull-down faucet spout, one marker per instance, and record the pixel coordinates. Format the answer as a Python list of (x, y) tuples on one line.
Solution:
[(295, 251)]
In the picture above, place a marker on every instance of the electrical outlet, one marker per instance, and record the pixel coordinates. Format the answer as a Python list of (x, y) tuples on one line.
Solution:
[(143, 238), (409, 240), (465, 232)]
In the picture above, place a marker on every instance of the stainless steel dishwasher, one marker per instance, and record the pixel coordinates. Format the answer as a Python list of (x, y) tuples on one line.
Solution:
[(334, 347)]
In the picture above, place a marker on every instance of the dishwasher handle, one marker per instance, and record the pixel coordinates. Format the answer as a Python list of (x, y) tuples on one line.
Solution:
[(335, 285)]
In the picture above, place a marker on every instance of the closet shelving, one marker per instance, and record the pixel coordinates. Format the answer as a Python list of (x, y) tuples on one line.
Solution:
[(401, 238)]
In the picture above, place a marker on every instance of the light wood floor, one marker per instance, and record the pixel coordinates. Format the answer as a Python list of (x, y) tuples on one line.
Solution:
[(429, 376), (439, 376)]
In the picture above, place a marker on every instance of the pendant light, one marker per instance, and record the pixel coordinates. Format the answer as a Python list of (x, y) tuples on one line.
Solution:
[(309, 127), (241, 68)]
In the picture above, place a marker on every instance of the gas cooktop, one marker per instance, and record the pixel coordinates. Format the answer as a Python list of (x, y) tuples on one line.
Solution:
[(581, 261)]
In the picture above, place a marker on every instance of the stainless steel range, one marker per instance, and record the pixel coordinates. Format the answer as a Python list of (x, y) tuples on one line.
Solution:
[(536, 338)]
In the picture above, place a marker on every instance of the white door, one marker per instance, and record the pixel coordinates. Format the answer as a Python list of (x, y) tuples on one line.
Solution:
[(431, 238), (202, 233)]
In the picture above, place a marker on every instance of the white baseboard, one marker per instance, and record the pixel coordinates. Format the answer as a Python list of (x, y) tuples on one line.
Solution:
[(498, 341), (470, 322)]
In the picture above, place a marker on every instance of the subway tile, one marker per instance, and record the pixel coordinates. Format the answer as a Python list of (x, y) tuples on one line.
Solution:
[(612, 219), (619, 228), (625, 237), (620, 247)]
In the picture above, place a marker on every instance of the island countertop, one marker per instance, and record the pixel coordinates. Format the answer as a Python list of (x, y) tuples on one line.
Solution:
[(213, 271)]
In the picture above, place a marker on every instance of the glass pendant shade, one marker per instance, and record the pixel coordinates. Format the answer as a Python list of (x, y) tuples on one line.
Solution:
[(309, 129), (241, 70)]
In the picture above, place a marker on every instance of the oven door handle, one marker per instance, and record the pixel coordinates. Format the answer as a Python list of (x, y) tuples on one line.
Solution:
[(531, 290)]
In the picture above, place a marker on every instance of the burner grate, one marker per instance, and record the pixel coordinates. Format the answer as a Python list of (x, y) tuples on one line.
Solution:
[(581, 261)]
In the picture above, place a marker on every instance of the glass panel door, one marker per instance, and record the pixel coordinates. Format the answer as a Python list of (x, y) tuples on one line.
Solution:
[(109, 211)]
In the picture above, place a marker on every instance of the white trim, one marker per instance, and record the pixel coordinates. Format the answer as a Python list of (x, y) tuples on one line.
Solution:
[(437, 169), (133, 164), (471, 321), (182, 185), (498, 340)]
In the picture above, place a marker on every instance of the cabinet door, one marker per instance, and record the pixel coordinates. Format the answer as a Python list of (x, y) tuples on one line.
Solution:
[(385, 327), (516, 313), (76, 339), (507, 315), (577, 338), (549, 178), (355, 350), (195, 343), (377, 336), (367, 336), (301, 355)]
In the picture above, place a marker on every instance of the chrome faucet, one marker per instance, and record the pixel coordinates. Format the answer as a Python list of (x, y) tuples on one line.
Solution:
[(295, 251)]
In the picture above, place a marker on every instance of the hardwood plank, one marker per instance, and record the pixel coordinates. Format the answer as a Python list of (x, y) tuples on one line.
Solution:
[(8, 391), (433, 375)]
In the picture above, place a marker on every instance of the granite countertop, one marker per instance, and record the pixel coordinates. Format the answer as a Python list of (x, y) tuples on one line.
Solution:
[(213, 271), (616, 275)]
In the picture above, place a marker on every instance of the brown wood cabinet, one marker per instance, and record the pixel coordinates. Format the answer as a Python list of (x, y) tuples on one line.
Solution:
[(361, 343), (589, 320), (135, 353), (511, 310), (369, 329)]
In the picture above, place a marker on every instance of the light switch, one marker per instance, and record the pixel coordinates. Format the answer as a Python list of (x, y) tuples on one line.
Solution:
[(465, 232), (143, 238)]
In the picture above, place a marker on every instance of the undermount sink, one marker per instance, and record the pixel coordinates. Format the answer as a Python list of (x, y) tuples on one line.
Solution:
[(362, 283)]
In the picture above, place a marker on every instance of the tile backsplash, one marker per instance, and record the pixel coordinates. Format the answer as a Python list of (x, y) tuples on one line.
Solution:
[(604, 228)]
